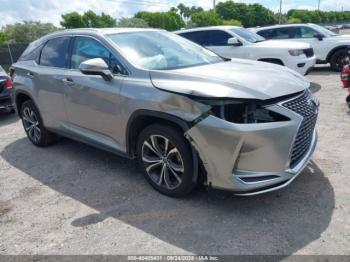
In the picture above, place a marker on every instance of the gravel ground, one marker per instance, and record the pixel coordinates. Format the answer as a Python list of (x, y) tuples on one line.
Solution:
[(74, 199)]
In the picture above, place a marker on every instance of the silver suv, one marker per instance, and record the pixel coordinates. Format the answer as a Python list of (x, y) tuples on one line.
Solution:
[(188, 115)]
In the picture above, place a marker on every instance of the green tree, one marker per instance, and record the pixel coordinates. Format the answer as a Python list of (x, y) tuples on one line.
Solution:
[(293, 20), (88, 19), (132, 22), (72, 20), (27, 31), (206, 18), (185, 11), (231, 10), (232, 22), (3, 37), (249, 15), (166, 20)]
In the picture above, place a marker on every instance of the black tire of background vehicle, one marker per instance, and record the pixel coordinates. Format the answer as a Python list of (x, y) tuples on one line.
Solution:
[(348, 100), (46, 137), (177, 139), (336, 60)]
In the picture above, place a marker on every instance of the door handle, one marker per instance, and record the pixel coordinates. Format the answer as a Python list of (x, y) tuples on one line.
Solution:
[(68, 81), (30, 75)]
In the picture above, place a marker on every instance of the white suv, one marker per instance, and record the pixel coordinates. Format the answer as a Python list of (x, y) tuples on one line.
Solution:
[(237, 42), (329, 47)]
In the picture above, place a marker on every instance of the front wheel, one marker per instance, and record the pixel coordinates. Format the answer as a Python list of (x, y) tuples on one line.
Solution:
[(337, 60), (166, 158)]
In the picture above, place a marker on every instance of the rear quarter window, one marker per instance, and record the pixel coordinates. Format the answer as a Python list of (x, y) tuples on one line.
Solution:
[(31, 53), (55, 52)]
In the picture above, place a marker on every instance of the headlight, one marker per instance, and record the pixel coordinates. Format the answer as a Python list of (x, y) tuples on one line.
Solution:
[(243, 112), (296, 52)]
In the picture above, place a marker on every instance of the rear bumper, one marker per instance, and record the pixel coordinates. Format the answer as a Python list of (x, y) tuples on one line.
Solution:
[(6, 103)]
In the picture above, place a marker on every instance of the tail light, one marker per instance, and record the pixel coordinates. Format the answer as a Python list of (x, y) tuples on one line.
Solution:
[(9, 84)]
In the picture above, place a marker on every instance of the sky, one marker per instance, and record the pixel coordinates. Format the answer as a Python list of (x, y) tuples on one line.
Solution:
[(12, 11)]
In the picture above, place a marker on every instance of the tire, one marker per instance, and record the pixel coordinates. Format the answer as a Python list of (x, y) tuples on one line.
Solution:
[(348, 101), (33, 125), (169, 169), (336, 60)]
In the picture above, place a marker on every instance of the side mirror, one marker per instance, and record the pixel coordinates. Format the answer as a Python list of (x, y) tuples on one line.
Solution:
[(96, 66), (233, 41), (319, 36)]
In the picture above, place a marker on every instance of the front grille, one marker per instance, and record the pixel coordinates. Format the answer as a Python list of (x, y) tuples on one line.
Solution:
[(309, 52), (305, 105)]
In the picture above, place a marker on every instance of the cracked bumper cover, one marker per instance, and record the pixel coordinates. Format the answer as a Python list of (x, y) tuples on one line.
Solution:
[(249, 159)]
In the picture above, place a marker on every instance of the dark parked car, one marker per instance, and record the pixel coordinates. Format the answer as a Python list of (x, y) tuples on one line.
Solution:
[(5, 92)]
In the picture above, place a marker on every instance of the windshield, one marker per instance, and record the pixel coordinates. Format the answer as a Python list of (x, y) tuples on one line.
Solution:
[(162, 50), (324, 30), (247, 35)]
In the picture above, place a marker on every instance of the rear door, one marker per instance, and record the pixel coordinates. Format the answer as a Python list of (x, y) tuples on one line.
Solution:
[(47, 78), (304, 34), (93, 104)]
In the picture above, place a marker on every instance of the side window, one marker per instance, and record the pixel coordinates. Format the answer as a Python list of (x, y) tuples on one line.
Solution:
[(31, 53), (85, 48), (266, 33), (217, 38), (55, 52), (197, 37), (281, 33), (307, 32)]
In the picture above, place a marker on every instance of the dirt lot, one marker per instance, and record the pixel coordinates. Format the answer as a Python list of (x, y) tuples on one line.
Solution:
[(74, 199)]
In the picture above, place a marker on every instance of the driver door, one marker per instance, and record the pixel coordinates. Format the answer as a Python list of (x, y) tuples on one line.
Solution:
[(217, 41), (93, 104), (305, 34)]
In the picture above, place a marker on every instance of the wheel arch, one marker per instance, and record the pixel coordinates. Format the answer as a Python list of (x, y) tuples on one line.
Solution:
[(335, 49), (20, 97), (140, 119)]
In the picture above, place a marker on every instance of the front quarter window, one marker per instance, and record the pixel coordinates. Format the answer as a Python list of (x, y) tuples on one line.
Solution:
[(160, 50)]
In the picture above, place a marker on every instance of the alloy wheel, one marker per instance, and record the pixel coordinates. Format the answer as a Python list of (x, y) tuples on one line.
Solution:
[(163, 162), (31, 124)]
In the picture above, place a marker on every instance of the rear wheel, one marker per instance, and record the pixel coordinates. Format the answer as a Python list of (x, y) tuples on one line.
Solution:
[(33, 125), (337, 60), (166, 158)]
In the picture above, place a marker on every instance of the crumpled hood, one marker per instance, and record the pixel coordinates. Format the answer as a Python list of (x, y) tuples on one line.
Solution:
[(238, 78), (287, 44)]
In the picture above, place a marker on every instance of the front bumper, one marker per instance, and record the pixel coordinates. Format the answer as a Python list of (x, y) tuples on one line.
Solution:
[(302, 66), (249, 159)]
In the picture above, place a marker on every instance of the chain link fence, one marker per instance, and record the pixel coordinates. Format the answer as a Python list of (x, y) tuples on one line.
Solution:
[(10, 52)]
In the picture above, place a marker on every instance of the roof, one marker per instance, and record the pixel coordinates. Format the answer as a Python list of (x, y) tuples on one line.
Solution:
[(277, 26), (99, 31), (220, 27), (113, 30)]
